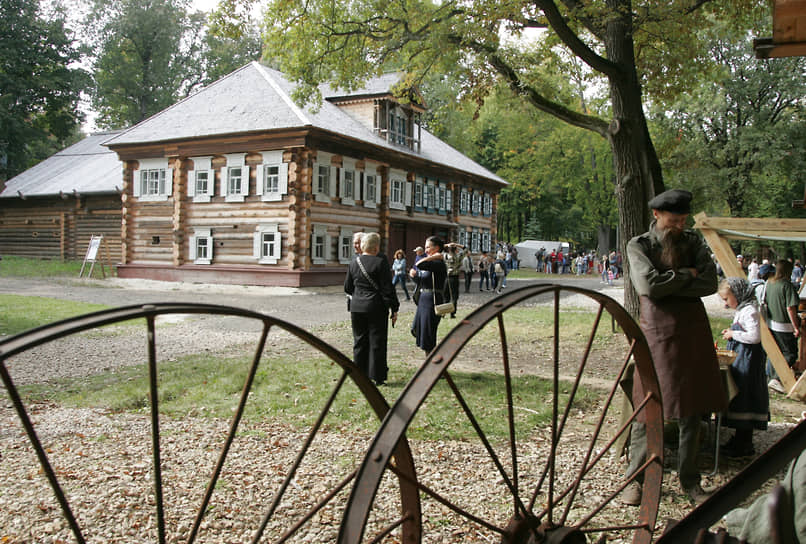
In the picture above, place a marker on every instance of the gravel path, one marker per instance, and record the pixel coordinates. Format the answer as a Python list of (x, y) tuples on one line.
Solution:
[(103, 459)]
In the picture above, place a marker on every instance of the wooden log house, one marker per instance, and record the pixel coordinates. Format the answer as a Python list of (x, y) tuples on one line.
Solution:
[(51, 210), (237, 184)]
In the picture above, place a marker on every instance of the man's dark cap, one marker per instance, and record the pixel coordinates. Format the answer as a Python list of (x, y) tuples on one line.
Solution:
[(673, 200), (765, 270)]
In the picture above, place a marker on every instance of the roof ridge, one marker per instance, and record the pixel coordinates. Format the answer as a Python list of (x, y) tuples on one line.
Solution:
[(287, 99)]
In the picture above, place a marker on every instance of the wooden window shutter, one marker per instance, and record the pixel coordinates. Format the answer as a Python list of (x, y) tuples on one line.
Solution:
[(167, 188), (137, 181), (259, 181), (333, 180), (282, 184), (224, 180), (245, 180)]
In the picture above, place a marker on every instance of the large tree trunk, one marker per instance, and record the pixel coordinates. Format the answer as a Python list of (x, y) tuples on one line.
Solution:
[(638, 172)]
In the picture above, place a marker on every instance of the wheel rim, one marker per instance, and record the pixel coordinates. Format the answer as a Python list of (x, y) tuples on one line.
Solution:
[(407, 519), (545, 503)]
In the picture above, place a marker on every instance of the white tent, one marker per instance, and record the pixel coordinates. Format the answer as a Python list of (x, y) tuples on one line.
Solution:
[(528, 248)]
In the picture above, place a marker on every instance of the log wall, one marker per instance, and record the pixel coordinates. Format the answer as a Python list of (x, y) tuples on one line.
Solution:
[(59, 228)]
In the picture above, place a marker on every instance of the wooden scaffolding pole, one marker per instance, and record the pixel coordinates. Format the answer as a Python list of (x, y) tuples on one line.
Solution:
[(727, 260)]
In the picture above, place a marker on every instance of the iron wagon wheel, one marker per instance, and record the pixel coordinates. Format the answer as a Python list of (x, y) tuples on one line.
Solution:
[(543, 495), (408, 499)]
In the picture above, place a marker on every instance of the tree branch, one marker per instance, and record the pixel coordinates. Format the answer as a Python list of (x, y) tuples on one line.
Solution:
[(577, 46), (588, 122)]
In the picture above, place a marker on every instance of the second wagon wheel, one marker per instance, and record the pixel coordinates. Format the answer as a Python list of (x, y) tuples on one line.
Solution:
[(533, 455)]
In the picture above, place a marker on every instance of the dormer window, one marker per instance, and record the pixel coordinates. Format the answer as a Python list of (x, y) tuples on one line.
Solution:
[(398, 124)]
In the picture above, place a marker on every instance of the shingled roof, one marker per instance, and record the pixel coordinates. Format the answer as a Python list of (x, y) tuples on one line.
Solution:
[(256, 98), (86, 167)]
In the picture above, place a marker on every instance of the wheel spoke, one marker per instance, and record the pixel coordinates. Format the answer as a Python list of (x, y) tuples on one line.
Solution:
[(300, 456), (519, 506), (446, 502), (513, 447), (211, 485), (592, 443), (155, 427)]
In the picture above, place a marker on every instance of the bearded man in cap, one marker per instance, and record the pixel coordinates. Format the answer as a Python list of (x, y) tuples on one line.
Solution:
[(671, 269)]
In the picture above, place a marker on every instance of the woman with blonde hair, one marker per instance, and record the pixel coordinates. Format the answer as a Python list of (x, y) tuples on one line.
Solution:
[(369, 283)]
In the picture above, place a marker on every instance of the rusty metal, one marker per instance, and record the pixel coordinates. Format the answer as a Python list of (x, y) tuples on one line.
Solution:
[(525, 524), (409, 519)]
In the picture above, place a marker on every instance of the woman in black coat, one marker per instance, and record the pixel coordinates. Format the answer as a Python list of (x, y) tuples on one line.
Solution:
[(431, 272), (369, 283)]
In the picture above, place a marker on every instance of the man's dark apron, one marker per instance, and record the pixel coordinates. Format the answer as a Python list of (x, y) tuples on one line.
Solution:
[(679, 337)]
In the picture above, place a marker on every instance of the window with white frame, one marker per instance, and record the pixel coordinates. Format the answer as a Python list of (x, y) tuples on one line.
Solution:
[(200, 246), (487, 207), (267, 243), (441, 198), (449, 200), (485, 240), (235, 178), (464, 201), (371, 192), (272, 176), (430, 200), (347, 192), (200, 179), (320, 244), (474, 241), (462, 237), (324, 178), (153, 180), (418, 193), (397, 190), (476, 203), (346, 250)]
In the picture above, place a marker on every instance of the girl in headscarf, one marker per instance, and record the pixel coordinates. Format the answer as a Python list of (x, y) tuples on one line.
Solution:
[(750, 408)]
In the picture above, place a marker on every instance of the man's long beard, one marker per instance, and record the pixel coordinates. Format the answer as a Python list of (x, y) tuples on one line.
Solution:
[(671, 249)]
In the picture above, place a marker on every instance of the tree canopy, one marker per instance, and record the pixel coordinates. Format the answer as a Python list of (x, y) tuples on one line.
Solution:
[(39, 86), (152, 53), (146, 58), (737, 137), (629, 46)]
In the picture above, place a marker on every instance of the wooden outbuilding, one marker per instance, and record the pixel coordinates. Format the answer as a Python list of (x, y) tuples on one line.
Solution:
[(52, 209), (238, 184)]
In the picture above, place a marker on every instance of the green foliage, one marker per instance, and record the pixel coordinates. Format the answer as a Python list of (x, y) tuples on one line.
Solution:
[(39, 86), (20, 313), (560, 176), (737, 138), (147, 57), (232, 39)]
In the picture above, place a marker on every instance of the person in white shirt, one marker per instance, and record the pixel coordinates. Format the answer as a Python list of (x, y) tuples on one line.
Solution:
[(752, 271)]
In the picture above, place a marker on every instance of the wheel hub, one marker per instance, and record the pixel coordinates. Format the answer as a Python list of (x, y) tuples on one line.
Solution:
[(529, 530)]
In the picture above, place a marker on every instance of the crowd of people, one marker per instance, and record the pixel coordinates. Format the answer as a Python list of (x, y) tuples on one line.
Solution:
[(436, 272)]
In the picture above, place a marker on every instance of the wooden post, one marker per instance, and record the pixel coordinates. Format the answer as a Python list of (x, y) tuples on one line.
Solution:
[(727, 259)]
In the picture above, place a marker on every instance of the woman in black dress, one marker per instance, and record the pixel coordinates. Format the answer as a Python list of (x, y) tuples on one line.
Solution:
[(369, 282), (430, 278)]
